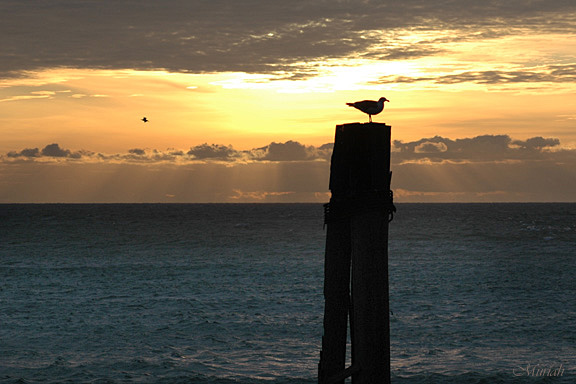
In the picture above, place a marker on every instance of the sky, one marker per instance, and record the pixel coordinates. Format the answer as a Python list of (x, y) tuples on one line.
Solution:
[(243, 97)]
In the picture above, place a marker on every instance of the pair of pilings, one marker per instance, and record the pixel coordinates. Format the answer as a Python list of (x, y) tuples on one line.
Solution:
[(356, 259)]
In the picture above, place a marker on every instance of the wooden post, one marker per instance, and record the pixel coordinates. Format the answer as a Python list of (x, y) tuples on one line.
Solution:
[(357, 243), (337, 301)]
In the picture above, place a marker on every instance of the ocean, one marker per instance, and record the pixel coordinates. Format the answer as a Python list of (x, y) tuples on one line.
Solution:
[(232, 293)]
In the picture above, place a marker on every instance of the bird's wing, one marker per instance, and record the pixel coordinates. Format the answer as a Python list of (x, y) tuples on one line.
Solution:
[(365, 104)]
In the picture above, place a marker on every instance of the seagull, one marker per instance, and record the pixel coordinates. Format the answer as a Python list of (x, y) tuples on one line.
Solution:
[(369, 107), (144, 119)]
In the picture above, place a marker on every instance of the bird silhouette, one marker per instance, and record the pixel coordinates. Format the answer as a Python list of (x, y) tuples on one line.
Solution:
[(369, 107), (144, 119)]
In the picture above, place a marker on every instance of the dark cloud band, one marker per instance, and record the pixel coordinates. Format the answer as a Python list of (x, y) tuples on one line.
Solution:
[(275, 37)]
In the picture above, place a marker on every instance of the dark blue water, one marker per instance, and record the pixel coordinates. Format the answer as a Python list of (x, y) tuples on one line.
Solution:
[(201, 293)]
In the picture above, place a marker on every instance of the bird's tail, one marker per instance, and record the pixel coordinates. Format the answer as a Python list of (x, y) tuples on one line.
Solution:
[(350, 104)]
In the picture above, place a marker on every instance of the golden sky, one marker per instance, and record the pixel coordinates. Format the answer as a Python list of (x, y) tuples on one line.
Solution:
[(242, 98)]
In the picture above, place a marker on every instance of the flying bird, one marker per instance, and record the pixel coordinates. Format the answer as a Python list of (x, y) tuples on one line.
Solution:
[(144, 119), (369, 107)]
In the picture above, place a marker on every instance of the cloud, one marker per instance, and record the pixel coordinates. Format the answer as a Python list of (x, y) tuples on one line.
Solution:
[(51, 150), (292, 151), (481, 168), (560, 73), (137, 151), (288, 151), (486, 148), (493, 181), (214, 151), (405, 53), (256, 36), (29, 92), (54, 150), (27, 152), (537, 143), (430, 147), (25, 97)]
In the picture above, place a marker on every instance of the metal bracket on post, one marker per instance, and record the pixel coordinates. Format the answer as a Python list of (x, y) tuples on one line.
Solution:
[(376, 201)]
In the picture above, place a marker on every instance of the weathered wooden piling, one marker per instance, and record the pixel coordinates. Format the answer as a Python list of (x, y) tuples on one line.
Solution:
[(356, 258)]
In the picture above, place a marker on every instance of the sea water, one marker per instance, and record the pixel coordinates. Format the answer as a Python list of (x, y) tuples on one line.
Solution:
[(232, 293)]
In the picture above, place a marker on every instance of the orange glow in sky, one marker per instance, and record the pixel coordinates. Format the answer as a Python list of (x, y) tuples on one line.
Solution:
[(283, 82)]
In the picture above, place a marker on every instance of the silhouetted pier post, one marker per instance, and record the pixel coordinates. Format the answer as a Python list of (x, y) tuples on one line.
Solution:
[(356, 259)]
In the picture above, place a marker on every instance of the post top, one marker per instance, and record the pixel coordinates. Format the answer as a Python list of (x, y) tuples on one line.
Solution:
[(360, 159), (363, 125)]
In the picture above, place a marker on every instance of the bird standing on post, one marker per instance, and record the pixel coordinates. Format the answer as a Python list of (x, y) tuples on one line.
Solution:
[(369, 107)]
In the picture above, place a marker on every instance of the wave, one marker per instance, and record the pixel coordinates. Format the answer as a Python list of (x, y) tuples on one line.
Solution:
[(84, 376)]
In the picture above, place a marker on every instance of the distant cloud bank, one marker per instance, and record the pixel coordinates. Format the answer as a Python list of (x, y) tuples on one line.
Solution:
[(436, 169), (485, 148), (288, 151)]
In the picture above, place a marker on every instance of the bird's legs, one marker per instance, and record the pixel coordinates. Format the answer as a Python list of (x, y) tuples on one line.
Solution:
[(370, 117)]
